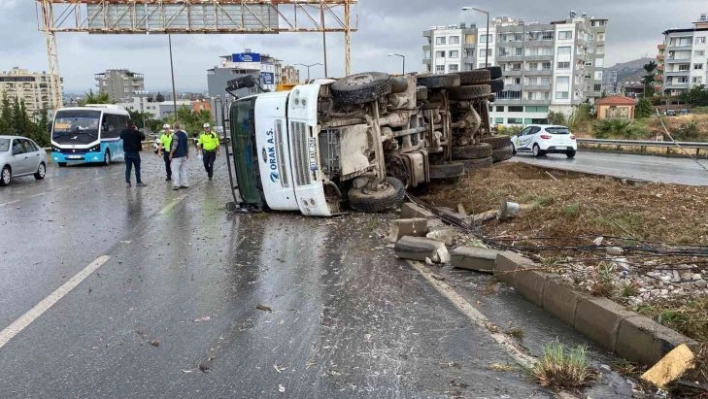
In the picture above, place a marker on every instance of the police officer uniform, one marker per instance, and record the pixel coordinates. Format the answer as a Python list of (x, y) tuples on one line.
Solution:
[(165, 146), (209, 143)]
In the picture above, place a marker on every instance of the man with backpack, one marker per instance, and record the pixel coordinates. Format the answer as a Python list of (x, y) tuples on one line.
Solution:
[(208, 142)]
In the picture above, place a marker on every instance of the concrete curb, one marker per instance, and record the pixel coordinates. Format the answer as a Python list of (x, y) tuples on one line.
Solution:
[(624, 332), (631, 181)]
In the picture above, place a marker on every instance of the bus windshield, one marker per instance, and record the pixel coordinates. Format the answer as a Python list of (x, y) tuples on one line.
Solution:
[(76, 126)]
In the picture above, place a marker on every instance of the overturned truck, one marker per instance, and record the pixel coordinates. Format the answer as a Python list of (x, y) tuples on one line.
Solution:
[(359, 140)]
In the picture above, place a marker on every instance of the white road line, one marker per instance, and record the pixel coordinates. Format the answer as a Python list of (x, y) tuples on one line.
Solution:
[(37, 195), (10, 203), (33, 314), (477, 317), (172, 204)]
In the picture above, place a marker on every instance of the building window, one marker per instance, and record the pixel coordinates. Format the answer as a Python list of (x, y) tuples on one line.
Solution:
[(439, 40), (547, 36), (453, 68), (697, 80), (546, 66), (454, 39), (699, 53), (597, 87), (454, 54), (540, 109), (515, 121), (599, 62), (697, 66), (439, 54), (562, 87), (600, 37), (600, 50), (565, 35), (498, 121), (684, 67), (500, 108), (440, 68), (513, 108), (564, 51), (564, 65), (483, 39), (701, 40), (533, 66)]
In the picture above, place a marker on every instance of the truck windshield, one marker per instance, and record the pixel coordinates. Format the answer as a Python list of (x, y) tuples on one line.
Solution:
[(243, 136), (76, 126)]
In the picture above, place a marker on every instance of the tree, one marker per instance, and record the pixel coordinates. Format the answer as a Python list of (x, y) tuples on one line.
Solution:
[(159, 98), (98, 98), (556, 118), (697, 96), (644, 108), (649, 78)]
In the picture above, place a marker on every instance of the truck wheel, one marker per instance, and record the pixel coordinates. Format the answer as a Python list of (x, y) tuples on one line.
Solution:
[(495, 71), (474, 77), (502, 154), (361, 88), (378, 201), (476, 164), (496, 85), (497, 141), (475, 151), (470, 92), (439, 81), (451, 170)]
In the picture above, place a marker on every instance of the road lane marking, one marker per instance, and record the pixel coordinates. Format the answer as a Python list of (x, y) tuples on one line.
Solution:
[(10, 203), (36, 195), (172, 204), (33, 314)]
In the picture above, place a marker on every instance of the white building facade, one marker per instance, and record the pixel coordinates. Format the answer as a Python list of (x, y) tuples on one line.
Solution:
[(684, 58), (34, 89)]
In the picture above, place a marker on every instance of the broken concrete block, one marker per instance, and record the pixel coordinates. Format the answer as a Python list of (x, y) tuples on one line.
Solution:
[(407, 227), (410, 210), (458, 217), (471, 258), (418, 248), (446, 235), (671, 367)]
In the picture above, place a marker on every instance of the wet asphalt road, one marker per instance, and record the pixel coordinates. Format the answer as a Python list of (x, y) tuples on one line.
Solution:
[(642, 167), (173, 312)]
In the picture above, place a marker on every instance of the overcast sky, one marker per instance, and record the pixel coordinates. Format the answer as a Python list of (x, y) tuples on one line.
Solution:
[(385, 26)]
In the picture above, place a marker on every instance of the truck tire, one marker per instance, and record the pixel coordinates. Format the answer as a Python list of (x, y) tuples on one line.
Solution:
[(443, 171), (439, 81), (379, 201), (399, 84), (502, 154), (476, 164), (496, 85), (361, 88), (421, 93), (474, 77), (475, 151), (470, 92), (495, 71), (497, 141)]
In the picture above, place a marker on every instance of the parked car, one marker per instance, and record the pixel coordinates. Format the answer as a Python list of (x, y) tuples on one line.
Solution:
[(540, 140), (20, 156)]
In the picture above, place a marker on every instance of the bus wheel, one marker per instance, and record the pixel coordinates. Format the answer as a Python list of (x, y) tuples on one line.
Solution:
[(107, 158)]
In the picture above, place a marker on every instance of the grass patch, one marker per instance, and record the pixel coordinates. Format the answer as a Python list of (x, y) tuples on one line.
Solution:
[(516, 333), (629, 290), (604, 284), (562, 368), (689, 316), (571, 210)]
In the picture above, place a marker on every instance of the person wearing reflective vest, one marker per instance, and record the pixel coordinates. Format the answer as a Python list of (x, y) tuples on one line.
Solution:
[(165, 146), (208, 142)]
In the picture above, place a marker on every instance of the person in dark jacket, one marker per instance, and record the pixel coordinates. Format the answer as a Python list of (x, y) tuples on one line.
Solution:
[(132, 145)]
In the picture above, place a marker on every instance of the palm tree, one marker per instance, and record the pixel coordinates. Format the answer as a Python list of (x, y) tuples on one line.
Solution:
[(650, 77), (97, 98)]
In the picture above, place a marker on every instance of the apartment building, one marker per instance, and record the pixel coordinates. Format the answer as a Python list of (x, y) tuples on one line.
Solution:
[(120, 84), (682, 58), (29, 87), (546, 67)]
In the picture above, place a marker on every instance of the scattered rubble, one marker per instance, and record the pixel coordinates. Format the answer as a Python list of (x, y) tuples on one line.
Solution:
[(418, 248), (416, 227), (672, 367), (473, 258)]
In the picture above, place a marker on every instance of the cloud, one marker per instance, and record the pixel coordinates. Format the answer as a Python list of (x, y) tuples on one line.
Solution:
[(385, 26)]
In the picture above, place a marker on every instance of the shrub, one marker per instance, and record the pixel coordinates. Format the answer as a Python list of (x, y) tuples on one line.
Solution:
[(509, 130), (686, 131), (556, 118), (644, 108), (619, 128), (559, 368)]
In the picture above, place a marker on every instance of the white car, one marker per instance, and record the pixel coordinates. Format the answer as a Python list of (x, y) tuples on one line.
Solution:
[(540, 140), (20, 156)]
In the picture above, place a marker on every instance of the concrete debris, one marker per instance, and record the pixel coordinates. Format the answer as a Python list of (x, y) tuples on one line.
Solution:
[(472, 258), (598, 241), (461, 218), (484, 217), (412, 211), (509, 210), (417, 227), (671, 367), (418, 248), (461, 209), (445, 235), (614, 251)]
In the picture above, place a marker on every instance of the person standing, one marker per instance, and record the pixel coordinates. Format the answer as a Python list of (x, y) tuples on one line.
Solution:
[(179, 154), (209, 144), (165, 148), (132, 145)]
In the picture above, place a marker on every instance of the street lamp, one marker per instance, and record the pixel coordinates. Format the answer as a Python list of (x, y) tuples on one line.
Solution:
[(486, 49), (308, 68), (403, 57)]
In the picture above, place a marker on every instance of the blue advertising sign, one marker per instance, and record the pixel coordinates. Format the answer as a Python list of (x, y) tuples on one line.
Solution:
[(246, 57), (268, 78)]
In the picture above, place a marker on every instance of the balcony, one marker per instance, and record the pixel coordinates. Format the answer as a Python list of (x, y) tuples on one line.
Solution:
[(661, 47), (670, 86), (539, 72), (538, 57), (510, 58), (520, 101), (659, 78), (660, 57), (512, 72), (678, 60), (669, 74), (660, 67), (537, 87)]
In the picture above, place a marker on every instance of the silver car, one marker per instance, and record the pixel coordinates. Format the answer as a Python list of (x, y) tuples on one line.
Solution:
[(20, 156)]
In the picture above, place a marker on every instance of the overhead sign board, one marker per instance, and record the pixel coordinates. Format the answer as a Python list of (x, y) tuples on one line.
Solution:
[(246, 57)]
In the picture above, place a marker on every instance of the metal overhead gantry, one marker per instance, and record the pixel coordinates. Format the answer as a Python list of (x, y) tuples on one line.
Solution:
[(190, 17)]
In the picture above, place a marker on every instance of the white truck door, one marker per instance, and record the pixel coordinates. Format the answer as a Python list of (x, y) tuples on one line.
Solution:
[(273, 151), (303, 132)]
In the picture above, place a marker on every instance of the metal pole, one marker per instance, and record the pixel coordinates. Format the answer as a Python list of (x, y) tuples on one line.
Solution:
[(347, 39), (172, 71), (324, 38), (486, 50), (404, 64)]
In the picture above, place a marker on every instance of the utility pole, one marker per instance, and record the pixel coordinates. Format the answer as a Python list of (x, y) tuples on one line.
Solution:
[(486, 49), (308, 69)]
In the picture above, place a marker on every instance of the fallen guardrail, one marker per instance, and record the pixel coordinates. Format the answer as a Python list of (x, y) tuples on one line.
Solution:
[(644, 145)]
